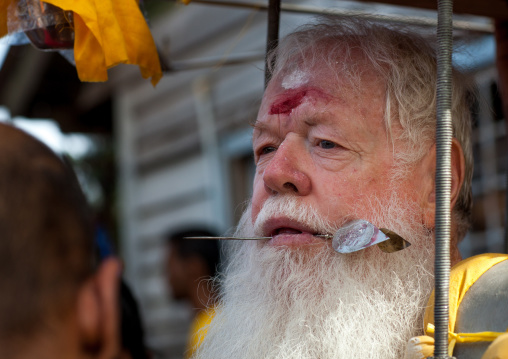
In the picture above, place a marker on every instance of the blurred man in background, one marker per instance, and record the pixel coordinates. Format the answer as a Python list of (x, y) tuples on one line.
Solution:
[(190, 266), (57, 301)]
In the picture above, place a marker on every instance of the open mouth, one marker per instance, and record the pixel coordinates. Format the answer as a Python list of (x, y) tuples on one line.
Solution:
[(285, 230), (289, 236), (288, 230)]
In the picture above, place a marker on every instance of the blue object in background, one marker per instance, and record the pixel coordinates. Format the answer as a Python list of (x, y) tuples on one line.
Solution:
[(103, 244)]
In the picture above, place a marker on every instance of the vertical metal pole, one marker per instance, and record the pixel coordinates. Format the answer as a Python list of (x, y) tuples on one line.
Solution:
[(444, 135), (501, 34), (272, 38), (506, 202)]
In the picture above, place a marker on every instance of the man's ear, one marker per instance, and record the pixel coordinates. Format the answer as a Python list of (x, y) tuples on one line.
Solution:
[(458, 171), (429, 185), (98, 312)]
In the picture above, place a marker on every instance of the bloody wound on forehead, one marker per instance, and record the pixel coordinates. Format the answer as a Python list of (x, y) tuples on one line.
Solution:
[(288, 102), (291, 99)]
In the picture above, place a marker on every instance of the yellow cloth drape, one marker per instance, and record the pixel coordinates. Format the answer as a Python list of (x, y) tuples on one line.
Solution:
[(106, 33)]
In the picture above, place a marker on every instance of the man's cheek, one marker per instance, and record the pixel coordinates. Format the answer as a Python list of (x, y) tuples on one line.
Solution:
[(256, 208), (258, 197)]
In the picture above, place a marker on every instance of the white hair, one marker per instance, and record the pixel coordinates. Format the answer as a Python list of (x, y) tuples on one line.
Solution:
[(406, 62)]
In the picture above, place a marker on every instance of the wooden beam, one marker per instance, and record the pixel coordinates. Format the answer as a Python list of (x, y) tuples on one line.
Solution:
[(490, 8)]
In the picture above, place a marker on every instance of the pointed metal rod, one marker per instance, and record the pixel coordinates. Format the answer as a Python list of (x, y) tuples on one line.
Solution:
[(354, 236), (324, 236), (231, 238), (394, 243)]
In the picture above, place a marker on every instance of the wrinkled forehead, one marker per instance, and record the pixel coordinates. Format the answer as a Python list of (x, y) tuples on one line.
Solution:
[(351, 83), (344, 55)]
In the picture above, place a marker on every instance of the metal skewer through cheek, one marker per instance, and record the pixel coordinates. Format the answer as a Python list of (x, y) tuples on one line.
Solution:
[(231, 238), (354, 236)]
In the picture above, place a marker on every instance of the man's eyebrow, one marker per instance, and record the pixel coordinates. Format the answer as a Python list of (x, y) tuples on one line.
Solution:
[(259, 127), (310, 122), (318, 119)]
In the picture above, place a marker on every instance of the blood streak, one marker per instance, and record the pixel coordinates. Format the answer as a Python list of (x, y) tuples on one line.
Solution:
[(286, 104)]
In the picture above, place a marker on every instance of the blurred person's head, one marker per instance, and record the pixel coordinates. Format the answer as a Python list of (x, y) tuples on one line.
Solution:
[(190, 263), (57, 301)]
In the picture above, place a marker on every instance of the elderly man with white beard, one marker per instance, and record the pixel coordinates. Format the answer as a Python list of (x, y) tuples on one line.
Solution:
[(345, 131)]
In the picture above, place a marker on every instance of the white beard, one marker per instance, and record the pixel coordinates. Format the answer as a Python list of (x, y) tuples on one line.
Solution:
[(281, 302)]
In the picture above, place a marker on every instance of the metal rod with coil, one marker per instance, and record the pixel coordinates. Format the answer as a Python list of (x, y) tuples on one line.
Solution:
[(444, 135)]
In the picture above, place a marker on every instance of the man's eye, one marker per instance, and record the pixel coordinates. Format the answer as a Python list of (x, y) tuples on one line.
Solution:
[(267, 149), (327, 144)]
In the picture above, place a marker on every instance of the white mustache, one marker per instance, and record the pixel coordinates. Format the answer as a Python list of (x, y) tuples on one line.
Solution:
[(294, 209)]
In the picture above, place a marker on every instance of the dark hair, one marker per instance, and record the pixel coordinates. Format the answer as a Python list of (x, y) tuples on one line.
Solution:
[(208, 250), (46, 240)]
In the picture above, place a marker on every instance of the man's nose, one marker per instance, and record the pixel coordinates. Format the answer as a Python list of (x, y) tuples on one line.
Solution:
[(286, 173)]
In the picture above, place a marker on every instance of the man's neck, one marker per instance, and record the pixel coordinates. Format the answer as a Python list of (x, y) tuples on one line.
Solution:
[(455, 256)]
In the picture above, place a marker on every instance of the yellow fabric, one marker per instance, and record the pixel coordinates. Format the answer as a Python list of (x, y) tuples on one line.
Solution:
[(199, 328), (108, 33), (462, 276), (498, 349)]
